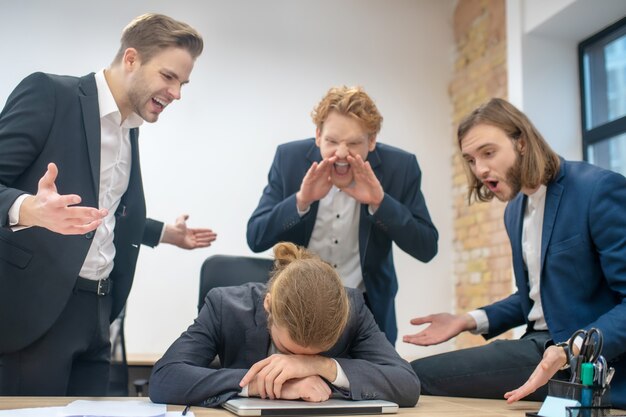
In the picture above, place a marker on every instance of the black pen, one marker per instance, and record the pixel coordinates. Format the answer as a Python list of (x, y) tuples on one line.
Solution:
[(186, 409)]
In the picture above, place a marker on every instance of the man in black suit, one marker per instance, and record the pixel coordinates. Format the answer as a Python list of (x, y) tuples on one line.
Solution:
[(72, 210)]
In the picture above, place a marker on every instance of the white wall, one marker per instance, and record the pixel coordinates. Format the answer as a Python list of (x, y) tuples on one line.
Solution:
[(543, 37), (265, 65)]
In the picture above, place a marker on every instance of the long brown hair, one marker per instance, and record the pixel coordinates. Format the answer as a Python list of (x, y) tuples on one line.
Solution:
[(539, 163), (307, 297)]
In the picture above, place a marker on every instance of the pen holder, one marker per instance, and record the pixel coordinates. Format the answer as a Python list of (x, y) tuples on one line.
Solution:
[(599, 397), (588, 412)]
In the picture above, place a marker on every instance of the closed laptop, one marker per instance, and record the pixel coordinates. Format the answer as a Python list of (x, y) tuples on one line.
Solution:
[(261, 407)]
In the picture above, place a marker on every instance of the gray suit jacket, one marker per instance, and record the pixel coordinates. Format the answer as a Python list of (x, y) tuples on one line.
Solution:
[(233, 325)]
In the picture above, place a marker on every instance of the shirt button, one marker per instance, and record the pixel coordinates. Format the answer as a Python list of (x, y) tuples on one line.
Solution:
[(335, 266), (336, 241), (337, 216)]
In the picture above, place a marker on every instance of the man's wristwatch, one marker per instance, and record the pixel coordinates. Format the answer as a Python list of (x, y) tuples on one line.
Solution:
[(568, 354)]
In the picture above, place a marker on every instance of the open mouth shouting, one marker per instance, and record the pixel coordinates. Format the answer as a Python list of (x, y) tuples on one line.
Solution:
[(342, 168)]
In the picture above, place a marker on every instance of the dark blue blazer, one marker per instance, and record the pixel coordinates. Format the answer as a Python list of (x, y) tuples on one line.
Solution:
[(233, 325), (51, 118), (401, 218), (583, 263)]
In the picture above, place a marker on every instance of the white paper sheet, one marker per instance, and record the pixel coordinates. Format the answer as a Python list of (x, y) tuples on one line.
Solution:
[(120, 408), (33, 412)]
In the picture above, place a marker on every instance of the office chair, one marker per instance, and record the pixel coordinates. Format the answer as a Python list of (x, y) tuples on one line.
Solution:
[(119, 375), (229, 270)]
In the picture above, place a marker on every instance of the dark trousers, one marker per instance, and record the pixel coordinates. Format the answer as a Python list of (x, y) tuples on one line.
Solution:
[(484, 372), (71, 359)]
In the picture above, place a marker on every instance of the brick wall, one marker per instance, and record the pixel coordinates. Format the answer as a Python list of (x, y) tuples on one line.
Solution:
[(482, 266)]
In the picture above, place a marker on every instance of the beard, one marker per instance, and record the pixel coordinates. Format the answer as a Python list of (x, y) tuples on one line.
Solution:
[(138, 96), (513, 178)]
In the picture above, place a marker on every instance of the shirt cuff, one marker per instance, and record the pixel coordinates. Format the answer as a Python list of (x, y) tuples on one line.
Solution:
[(482, 321), (14, 212), (341, 381), (244, 392), (162, 233), (303, 212)]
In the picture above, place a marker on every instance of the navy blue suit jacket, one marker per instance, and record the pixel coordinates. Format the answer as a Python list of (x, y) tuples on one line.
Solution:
[(583, 263), (401, 218), (233, 325), (51, 118)]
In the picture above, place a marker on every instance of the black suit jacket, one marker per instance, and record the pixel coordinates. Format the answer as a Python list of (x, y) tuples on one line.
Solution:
[(51, 118), (233, 325)]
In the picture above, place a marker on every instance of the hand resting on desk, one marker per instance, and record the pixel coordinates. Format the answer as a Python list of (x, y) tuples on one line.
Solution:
[(553, 359)]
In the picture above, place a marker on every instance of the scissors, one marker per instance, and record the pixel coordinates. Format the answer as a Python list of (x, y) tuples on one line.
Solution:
[(590, 349)]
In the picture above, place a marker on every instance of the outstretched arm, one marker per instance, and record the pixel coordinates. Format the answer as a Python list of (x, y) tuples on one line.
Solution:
[(56, 212), (185, 237), (441, 327), (554, 358)]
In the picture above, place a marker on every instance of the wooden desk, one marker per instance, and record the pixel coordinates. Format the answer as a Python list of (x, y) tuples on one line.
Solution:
[(427, 406), (142, 359)]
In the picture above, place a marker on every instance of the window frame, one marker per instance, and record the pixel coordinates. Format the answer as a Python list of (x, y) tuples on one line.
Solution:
[(606, 130)]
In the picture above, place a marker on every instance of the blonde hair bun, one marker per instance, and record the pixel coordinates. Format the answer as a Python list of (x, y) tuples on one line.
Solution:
[(287, 252)]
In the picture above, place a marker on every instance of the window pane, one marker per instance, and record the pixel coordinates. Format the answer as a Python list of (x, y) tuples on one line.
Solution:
[(604, 76), (610, 154), (615, 59)]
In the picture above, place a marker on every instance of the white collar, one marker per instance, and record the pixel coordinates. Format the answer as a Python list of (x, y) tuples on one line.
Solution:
[(108, 107)]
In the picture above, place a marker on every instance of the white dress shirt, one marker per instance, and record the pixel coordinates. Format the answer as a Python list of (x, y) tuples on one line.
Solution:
[(335, 236), (532, 228), (531, 251), (115, 161)]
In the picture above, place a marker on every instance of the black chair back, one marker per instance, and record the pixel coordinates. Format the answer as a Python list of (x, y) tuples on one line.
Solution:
[(229, 270)]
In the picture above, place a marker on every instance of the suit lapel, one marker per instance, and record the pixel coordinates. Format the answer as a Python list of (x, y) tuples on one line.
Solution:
[(365, 226), (515, 224), (135, 171), (374, 159), (313, 155), (553, 199), (257, 340), (91, 121)]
